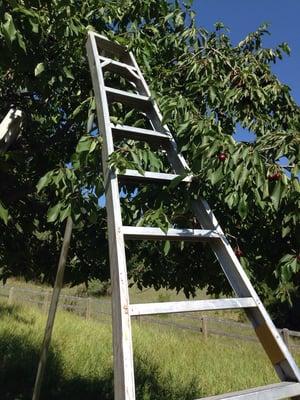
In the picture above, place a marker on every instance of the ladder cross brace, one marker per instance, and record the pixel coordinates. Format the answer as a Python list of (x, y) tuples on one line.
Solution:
[(190, 306)]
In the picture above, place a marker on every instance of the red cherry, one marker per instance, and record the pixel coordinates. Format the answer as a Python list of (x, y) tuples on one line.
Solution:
[(222, 156), (298, 258), (277, 176), (238, 252)]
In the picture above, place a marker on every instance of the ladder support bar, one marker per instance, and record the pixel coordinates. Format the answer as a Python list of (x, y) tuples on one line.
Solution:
[(141, 134), (131, 99), (149, 233), (160, 177), (117, 67), (190, 306)]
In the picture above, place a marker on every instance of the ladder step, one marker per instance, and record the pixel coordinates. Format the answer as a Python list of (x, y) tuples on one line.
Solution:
[(149, 233), (119, 68), (131, 175), (110, 47), (145, 135), (130, 99), (190, 306), (276, 391)]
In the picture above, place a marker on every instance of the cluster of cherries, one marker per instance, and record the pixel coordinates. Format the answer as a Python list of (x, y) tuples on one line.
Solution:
[(238, 252), (275, 177)]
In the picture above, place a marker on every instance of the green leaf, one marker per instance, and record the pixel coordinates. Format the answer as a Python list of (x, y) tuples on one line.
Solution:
[(9, 27), (276, 194), (3, 213), (285, 231), (84, 144), (93, 146), (44, 181), (66, 212), (168, 16), (68, 73), (243, 206), (212, 94), (230, 199), (243, 177), (21, 41), (40, 67), (167, 247), (259, 180), (216, 176), (238, 172), (35, 27), (53, 212), (90, 121), (265, 189)]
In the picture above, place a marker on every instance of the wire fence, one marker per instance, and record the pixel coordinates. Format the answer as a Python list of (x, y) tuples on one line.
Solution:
[(100, 309)]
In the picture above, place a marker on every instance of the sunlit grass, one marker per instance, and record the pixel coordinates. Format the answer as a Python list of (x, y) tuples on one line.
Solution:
[(168, 364)]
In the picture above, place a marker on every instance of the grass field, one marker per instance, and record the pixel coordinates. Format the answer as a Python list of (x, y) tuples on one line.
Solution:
[(168, 364)]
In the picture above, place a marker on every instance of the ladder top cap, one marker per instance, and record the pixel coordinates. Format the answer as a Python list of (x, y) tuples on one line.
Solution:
[(108, 45)]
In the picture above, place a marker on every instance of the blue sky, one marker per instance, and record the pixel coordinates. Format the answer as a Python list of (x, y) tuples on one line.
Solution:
[(244, 16)]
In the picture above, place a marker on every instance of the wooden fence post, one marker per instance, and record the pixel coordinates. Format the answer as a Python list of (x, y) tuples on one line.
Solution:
[(286, 337), (11, 295), (88, 311), (204, 326)]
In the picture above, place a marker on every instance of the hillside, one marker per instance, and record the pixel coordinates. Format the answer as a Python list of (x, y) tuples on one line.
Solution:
[(169, 364)]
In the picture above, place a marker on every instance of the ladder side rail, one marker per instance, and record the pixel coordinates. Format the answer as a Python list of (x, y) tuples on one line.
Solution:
[(286, 368), (124, 387), (10, 128)]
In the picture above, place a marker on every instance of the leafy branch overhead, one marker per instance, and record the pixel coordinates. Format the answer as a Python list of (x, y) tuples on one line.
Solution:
[(207, 88)]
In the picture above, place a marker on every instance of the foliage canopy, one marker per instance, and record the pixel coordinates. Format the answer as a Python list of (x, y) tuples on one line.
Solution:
[(206, 87)]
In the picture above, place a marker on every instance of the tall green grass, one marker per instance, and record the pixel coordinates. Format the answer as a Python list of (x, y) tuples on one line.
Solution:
[(168, 365)]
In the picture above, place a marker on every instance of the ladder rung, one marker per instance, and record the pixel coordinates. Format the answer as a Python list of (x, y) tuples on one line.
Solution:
[(120, 68), (131, 175), (276, 391), (146, 135), (189, 306), (149, 233), (110, 47), (130, 99)]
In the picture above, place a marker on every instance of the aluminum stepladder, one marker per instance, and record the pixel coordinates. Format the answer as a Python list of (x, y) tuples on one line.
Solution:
[(102, 55), (10, 128)]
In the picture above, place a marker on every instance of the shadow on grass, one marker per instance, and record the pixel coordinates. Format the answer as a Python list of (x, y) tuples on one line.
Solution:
[(19, 357)]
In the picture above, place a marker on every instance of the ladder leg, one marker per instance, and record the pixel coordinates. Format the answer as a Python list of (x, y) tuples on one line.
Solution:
[(121, 321), (122, 340), (267, 333)]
